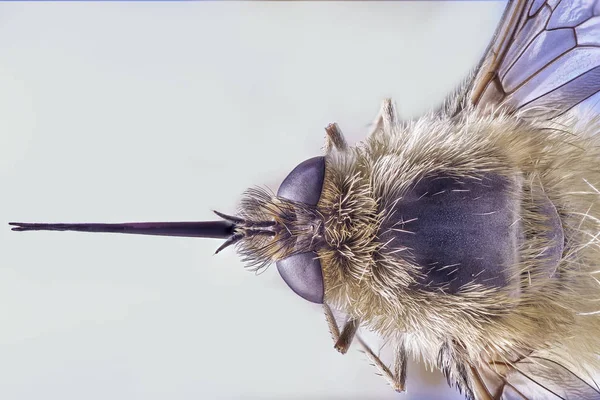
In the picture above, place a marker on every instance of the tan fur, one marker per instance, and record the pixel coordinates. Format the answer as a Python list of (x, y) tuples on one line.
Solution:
[(551, 315), (557, 316)]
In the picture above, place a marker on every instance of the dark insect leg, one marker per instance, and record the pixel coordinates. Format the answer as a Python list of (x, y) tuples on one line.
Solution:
[(386, 119), (397, 379), (400, 360), (348, 333), (335, 138), (331, 323), (456, 369), (344, 339)]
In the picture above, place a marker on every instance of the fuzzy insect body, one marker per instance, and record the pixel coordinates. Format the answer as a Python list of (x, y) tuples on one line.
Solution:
[(521, 193), (470, 237), (540, 299)]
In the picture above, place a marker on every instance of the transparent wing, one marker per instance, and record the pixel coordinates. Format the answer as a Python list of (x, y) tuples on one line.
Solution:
[(534, 378), (543, 62), (544, 58)]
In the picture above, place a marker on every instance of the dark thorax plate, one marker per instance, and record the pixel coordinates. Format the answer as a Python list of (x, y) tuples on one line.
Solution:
[(458, 231)]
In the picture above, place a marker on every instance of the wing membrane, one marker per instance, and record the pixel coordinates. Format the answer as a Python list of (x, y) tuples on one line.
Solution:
[(534, 378), (543, 60)]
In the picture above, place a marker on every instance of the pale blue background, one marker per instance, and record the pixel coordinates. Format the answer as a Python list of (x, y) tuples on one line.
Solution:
[(131, 112)]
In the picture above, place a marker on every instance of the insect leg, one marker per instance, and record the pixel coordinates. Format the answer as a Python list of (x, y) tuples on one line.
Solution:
[(348, 333), (396, 380), (335, 138), (331, 323), (344, 339), (400, 360), (386, 119)]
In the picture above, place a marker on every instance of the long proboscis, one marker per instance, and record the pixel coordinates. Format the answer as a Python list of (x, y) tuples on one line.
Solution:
[(202, 229)]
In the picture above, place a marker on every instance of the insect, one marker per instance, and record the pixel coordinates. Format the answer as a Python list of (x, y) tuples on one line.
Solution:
[(469, 237)]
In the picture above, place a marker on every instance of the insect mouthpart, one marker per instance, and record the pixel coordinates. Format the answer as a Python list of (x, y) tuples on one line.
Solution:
[(243, 228), (203, 229), (231, 228)]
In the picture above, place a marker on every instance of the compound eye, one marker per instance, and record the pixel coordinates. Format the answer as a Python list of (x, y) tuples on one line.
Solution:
[(302, 272), (305, 182)]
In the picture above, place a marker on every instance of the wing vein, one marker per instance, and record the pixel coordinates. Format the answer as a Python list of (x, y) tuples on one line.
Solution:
[(568, 370)]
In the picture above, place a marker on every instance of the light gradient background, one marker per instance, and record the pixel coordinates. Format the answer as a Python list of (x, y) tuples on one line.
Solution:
[(114, 112)]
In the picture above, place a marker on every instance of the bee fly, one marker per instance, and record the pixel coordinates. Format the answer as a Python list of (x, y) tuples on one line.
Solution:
[(469, 237)]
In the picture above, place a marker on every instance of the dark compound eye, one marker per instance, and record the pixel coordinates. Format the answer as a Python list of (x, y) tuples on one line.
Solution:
[(302, 273), (305, 182)]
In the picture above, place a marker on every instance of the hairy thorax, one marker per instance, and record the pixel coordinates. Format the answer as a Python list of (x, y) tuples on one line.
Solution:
[(478, 226)]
